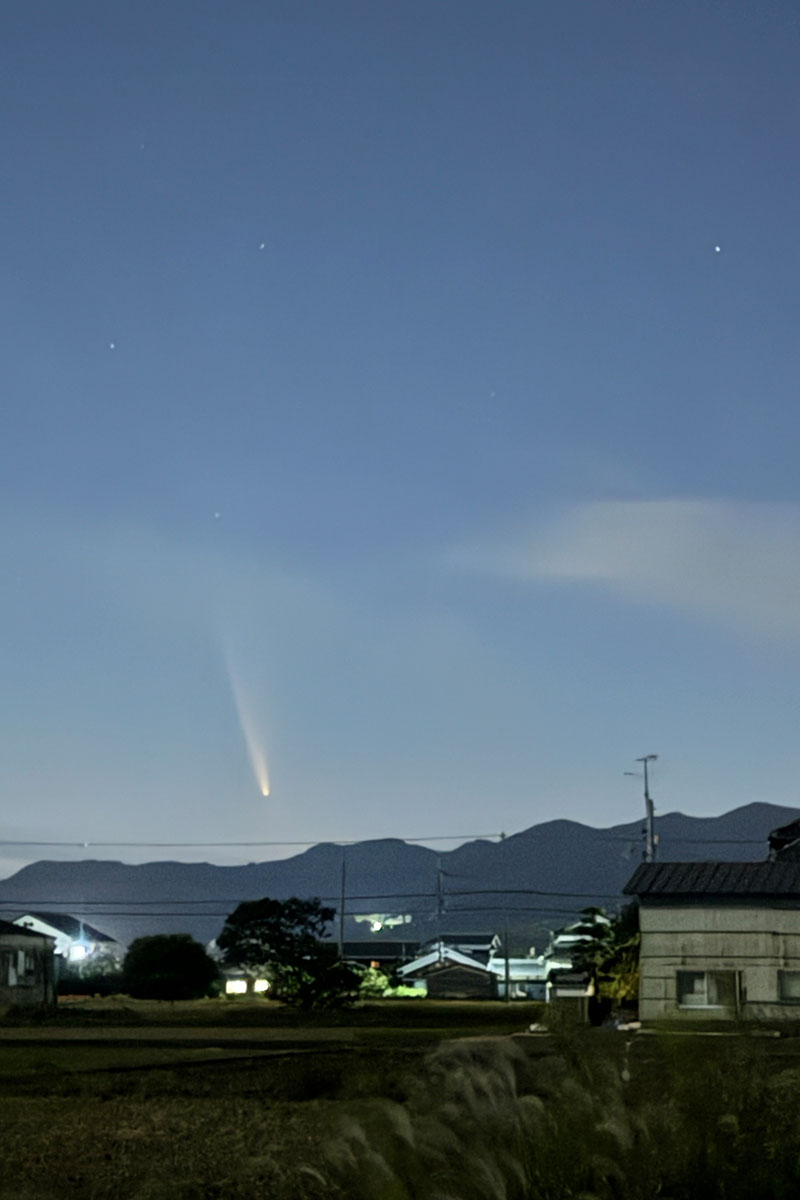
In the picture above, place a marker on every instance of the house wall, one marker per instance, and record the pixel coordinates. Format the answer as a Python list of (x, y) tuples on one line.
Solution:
[(754, 940), (63, 941), (26, 971)]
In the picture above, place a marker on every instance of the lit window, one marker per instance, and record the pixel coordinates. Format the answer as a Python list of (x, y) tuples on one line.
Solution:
[(261, 985), (789, 986), (707, 989), (235, 987)]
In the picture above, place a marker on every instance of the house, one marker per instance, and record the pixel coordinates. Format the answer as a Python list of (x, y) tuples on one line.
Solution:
[(27, 967), (479, 946), (76, 941), (448, 974), (527, 976), (238, 982), (382, 954), (721, 939), (565, 943)]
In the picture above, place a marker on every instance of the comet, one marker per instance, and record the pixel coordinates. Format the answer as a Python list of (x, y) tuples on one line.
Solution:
[(255, 751)]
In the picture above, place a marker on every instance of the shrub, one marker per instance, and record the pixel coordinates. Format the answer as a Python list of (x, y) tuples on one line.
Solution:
[(168, 967)]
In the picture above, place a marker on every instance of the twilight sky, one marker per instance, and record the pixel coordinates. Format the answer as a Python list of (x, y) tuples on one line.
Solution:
[(408, 389)]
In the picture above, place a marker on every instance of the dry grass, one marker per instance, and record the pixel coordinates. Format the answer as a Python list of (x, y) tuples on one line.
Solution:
[(559, 1118)]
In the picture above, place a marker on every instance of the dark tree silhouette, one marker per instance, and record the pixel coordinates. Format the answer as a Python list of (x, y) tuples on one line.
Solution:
[(282, 940), (609, 951), (168, 967)]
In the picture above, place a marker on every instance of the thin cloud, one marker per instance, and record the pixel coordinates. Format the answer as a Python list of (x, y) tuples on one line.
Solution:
[(730, 562)]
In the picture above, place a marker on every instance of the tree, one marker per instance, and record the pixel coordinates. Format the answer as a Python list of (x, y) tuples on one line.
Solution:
[(282, 940), (610, 952), (170, 966)]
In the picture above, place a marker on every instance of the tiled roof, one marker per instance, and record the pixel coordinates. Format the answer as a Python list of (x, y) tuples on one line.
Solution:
[(464, 939), (69, 925), (7, 927), (779, 878), (437, 958)]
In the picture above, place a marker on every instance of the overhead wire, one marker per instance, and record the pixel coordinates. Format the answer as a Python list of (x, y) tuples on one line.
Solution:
[(175, 906), (444, 837), (86, 845), (422, 912), (172, 900)]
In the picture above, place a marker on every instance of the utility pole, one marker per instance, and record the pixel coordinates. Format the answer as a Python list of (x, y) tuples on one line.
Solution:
[(649, 835), (342, 901), (505, 922), (439, 903)]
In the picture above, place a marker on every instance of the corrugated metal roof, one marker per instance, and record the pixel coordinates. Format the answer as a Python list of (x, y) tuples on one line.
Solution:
[(715, 879)]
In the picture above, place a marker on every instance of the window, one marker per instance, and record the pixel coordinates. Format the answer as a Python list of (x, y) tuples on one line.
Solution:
[(789, 987), (707, 989), (26, 964)]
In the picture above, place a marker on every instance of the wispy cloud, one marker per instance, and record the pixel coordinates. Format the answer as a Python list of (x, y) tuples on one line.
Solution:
[(730, 562)]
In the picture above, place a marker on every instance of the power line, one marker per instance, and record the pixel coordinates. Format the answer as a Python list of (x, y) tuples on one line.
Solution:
[(13, 902), (439, 837), (701, 841), (714, 841), (446, 837), (422, 912)]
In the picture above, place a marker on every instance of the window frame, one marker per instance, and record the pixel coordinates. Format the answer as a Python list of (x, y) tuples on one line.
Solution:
[(782, 976), (704, 1005)]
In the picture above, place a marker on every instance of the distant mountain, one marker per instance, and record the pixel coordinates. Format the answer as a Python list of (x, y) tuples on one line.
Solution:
[(535, 880)]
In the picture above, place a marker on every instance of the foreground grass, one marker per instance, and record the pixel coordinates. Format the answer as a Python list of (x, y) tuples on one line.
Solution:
[(591, 1120), (158, 1148), (591, 1115)]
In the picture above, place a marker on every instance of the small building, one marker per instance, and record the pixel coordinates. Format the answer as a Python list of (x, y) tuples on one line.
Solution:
[(527, 976), (566, 942), (720, 940), (76, 941), (571, 992), (478, 946), (27, 967), (447, 974)]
